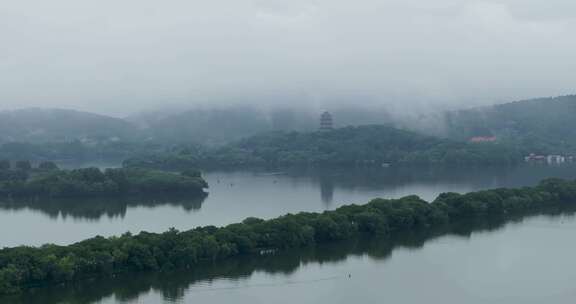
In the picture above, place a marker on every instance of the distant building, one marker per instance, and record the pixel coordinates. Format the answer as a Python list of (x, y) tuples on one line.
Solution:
[(549, 159), (555, 159), (326, 122), (533, 158), (479, 139)]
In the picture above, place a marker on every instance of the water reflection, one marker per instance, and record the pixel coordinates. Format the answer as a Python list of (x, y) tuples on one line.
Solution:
[(390, 181), (395, 177), (327, 190), (331, 184), (94, 209), (237, 195), (175, 287)]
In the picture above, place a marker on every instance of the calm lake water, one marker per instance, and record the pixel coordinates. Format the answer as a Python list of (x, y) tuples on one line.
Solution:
[(234, 196), (526, 261), (523, 261)]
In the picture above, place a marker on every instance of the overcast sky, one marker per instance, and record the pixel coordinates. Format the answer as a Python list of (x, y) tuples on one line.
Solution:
[(118, 56)]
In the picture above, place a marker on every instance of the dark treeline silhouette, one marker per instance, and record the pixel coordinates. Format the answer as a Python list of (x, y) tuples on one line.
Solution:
[(24, 267)]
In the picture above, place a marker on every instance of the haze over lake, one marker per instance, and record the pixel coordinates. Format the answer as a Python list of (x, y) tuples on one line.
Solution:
[(287, 151)]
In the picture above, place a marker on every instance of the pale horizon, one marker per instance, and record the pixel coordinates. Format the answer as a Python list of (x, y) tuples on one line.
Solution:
[(118, 58)]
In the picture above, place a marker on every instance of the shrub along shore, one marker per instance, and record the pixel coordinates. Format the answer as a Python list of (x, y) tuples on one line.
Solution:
[(24, 267)]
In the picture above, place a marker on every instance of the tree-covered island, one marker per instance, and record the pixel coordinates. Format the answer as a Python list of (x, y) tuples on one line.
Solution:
[(48, 181)]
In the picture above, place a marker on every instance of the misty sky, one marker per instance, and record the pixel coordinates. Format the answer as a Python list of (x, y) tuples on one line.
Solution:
[(118, 56)]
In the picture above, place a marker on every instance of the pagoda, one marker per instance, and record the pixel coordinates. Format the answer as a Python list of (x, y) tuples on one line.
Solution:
[(326, 122)]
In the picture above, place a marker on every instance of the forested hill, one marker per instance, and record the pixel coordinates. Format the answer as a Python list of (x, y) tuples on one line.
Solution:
[(377, 143), (206, 126), (373, 145), (218, 126), (53, 125), (545, 125)]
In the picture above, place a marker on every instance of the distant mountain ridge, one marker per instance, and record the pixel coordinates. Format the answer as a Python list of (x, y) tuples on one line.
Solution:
[(218, 126), (58, 125), (542, 125), (206, 126)]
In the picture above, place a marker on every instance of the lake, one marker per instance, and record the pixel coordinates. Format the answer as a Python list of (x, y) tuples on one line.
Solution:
[(519, 261), (235, 195)]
